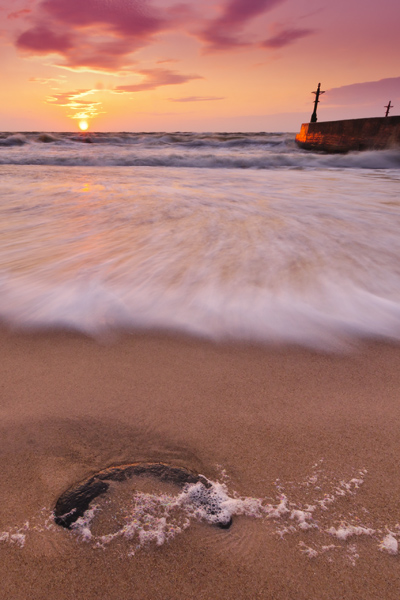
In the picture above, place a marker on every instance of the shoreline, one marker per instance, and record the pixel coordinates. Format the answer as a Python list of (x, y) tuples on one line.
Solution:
[(71, 406)]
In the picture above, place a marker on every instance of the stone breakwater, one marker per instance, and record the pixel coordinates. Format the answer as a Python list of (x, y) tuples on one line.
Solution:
[(353, 134)]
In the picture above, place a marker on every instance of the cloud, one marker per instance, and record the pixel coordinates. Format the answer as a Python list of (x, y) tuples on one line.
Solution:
[(197, 99), (81, 109), (285, 37), (97, 35), (224, 32), (46, 80), (103, 35), (366, 93), (82, 106), (167, 60), (42, 40), (105, 56), (155, 78), (126, 18)]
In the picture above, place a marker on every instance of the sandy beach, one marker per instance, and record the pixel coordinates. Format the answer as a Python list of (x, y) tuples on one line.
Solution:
[(269, 421)]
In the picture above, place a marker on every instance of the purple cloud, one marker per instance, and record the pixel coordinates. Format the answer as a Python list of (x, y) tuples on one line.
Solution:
[(102, 35), (42, 40), (91, 34), (123, 18)]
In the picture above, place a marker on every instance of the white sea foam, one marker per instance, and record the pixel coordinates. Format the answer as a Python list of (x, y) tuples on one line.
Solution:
[(304, 518), (307, 550), (147, 519), (15, 535), (158, 518), (389, 544), (345, 531), (82, 525)]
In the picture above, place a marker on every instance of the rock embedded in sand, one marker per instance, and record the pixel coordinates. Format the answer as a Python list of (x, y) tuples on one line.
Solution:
[(73, 503)]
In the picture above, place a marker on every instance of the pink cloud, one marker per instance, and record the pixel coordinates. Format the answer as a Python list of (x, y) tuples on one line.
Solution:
[(286, 37), (167, 60), (102, 35), (155, 78), (224, 32), (109, 55), (19, 13), (91, 34)]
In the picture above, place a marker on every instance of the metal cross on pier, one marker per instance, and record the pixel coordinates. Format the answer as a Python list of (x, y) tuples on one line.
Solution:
[(388, 107), (317, 95)]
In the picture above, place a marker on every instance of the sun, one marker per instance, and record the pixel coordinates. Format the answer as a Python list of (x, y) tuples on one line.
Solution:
[(83, 125)]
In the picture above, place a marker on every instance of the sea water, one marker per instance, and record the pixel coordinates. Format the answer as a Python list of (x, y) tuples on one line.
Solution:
[(226, 236)]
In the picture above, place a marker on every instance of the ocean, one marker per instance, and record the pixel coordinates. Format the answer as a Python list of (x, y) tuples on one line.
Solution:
[(221, 302)]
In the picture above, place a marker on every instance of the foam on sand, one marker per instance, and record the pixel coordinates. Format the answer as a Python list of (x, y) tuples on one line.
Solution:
[(146, 519)]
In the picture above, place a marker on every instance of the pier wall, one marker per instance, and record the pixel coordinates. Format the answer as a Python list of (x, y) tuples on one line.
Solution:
[(353, 134)]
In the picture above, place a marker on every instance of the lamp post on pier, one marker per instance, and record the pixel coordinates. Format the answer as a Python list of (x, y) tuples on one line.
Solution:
[(317, 95)]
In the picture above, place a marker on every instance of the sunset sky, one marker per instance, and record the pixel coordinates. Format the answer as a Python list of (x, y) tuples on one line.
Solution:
[(195, 65)]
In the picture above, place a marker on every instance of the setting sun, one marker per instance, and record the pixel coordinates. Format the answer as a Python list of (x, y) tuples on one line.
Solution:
[(83, 125)]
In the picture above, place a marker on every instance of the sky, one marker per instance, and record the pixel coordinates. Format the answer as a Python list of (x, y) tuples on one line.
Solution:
[(195, 65)]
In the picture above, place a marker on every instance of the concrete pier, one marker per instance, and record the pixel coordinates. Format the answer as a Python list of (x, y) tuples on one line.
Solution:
[(376, 133)]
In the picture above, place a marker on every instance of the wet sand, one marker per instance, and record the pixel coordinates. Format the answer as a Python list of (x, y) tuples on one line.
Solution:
[(71, 406)]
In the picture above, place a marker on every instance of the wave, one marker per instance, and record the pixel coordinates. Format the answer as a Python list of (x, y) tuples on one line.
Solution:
[(389, 159), (157, 138), (13, 140), (332, 319)]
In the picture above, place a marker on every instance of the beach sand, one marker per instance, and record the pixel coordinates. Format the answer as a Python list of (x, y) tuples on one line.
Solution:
[(274, 420)]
